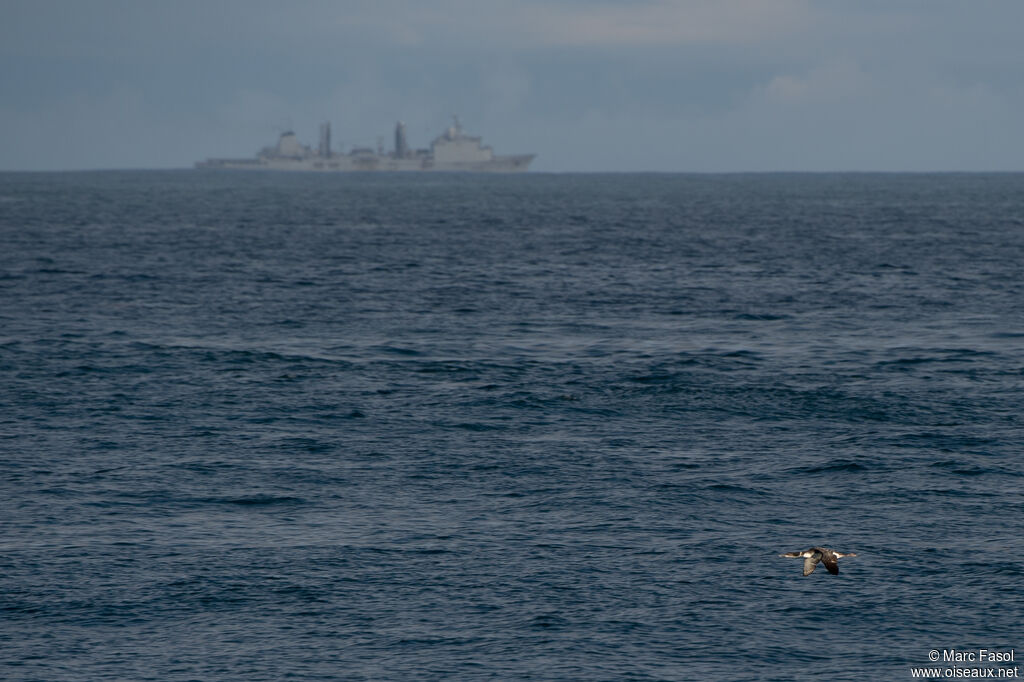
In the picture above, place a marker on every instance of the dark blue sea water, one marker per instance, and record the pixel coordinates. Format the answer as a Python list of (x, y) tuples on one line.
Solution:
[(536, 427)]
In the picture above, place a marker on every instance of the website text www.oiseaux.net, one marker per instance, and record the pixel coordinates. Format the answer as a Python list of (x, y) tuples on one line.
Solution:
[(979, 657)]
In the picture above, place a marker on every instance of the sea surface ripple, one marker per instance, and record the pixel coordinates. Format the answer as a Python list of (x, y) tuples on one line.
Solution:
[(545, 427)]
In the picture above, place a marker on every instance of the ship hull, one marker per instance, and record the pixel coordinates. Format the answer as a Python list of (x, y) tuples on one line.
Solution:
[(346, 164)]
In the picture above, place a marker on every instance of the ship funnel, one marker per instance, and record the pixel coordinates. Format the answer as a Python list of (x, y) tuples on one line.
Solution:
[(401, 145), (324, 149)]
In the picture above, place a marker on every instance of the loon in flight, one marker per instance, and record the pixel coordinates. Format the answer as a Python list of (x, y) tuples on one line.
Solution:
[(813, 555)]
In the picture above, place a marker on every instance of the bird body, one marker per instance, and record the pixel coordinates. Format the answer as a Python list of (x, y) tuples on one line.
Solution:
[(812, 556)]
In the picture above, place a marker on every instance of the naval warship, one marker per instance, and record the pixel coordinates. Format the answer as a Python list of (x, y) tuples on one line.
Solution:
[(453, 150)]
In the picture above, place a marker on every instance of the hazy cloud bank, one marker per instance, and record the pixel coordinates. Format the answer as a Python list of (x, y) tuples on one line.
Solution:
[(599, 85)]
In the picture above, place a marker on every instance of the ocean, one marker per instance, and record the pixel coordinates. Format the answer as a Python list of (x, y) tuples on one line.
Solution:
[(525, 427)]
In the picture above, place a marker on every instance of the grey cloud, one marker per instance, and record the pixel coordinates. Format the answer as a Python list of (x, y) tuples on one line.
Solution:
[(613, 85)]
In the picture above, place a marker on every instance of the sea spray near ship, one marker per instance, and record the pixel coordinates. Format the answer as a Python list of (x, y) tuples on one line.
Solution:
[(453, 150)]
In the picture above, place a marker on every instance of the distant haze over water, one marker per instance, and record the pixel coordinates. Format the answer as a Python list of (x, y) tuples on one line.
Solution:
[(609, 86)]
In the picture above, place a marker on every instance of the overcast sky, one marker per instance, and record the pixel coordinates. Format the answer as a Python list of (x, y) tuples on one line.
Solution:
[(588, 85)]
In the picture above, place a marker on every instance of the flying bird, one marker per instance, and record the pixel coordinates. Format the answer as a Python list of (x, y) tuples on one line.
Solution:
[(812, 556)]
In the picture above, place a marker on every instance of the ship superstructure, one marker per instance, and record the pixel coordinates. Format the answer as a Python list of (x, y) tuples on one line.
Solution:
[(453, 150)]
